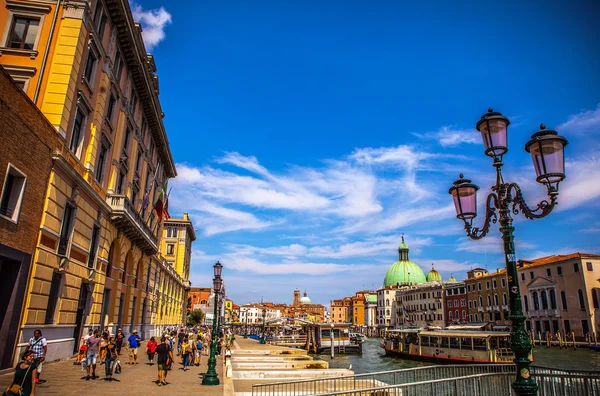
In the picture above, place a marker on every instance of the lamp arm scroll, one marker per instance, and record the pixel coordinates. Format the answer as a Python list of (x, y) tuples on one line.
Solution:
[(490, 217), (542, 209)]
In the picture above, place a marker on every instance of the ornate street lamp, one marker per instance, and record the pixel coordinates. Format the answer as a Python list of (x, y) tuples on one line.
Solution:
[(211, 377), (264, 314), (547, 151)]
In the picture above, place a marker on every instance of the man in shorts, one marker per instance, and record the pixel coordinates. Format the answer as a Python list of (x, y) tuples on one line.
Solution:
[(39, 346), (163, 355), (133, 343), (92, 355)]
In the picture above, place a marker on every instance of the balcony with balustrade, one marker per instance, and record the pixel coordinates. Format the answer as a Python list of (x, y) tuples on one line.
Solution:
[(130, 222), (544, 312)]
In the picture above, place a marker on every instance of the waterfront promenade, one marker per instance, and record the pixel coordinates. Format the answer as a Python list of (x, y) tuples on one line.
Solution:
[(65, 378)]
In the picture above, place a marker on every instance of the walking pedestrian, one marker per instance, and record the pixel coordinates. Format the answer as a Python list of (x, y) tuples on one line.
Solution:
[(185, 353), (199, 347), (111, 359), (151, 349), (133, 343), (119, 338), (39, 346), (180, 338), (164, 355), (103, 344), (93, 344), (24, 381)]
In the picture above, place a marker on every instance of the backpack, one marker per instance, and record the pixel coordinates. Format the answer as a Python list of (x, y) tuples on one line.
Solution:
[(199, 345)]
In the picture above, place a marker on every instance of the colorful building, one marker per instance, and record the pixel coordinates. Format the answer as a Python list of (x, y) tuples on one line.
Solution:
[(95, 264), (455, 303), (23, 181), (487, 297), (561, 293)]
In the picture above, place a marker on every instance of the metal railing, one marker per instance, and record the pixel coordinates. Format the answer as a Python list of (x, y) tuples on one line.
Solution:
[(284, 340), (491, 384), (378, 379)]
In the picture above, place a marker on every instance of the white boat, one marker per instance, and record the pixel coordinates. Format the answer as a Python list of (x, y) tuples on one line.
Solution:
[(449, 346)]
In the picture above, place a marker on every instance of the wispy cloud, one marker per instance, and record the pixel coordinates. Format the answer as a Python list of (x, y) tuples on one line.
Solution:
[(586, 120), (448, 136), (153, 23)]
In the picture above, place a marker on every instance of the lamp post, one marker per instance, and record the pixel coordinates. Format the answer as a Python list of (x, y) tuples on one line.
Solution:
[(246, 326), (264, 314), (332, 340), (547, 151), (211, 377)]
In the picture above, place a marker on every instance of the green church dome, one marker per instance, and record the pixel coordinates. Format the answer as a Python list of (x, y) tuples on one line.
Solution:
[(433, 275), (404, 271), (452, 279)]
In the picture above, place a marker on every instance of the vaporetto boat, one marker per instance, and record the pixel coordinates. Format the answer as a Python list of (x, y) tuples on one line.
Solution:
[(451, 346)]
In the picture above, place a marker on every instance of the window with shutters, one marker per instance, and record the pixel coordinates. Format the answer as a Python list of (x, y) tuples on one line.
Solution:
[(13, 190), (66, 228), (53, 297)]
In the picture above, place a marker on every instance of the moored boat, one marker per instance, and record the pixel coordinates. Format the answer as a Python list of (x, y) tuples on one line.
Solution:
[(447, 346)]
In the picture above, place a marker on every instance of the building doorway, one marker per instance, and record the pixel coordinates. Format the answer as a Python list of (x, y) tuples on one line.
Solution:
[(79, 317), (14, 271)]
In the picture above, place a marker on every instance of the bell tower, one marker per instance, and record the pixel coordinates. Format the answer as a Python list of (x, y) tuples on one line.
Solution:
[(296, 297)]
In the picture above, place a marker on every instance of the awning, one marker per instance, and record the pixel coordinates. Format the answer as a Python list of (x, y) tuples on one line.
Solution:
[(500, 328), (470, 326)]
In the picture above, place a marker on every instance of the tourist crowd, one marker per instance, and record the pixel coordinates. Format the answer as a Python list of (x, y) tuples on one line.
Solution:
[(104, 348)]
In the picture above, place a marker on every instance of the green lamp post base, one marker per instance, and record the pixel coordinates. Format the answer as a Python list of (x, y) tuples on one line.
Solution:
[(210, 380)]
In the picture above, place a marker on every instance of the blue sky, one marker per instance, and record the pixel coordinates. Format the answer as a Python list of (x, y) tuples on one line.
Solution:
[(310, 135)]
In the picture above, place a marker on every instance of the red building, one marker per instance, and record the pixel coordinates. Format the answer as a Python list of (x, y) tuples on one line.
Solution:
[(455, 303)]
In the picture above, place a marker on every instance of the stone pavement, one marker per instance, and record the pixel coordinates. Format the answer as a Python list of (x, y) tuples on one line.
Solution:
[(64, 378)]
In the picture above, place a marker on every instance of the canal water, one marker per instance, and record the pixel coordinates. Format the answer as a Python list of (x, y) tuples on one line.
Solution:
[(374, 359)]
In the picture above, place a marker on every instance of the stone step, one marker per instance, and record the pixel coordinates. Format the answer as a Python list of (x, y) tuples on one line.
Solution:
[(272, 352), (250, 358), (310, 364), (291, 374)]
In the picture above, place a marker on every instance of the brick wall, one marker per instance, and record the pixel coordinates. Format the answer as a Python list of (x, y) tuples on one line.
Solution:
[(27, 141)]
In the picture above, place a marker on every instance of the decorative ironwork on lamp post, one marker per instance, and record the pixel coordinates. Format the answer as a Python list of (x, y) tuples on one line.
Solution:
[(264, 314), (547, 151), (211, 377)]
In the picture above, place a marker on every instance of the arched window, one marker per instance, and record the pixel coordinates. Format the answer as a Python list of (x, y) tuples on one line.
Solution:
[(544, 299), (480, 301), (552, 299), (526, 301), (387, 302), (563, 300), (464, 314), (595, 298), (536, 302), (495, 299), (504, 300), (581, 300), (489, 300), (450, 315)]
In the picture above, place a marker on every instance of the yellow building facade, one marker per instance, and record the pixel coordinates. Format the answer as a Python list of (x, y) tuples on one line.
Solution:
[(97, 261)]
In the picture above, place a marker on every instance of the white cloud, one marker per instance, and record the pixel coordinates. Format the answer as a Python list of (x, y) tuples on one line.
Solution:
[(449, 137), (581, 184), (371, 247), (587, 120), (153, 23), (491, 244)]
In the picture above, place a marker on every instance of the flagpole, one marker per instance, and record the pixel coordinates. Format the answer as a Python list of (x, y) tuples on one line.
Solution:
[(148, 190)]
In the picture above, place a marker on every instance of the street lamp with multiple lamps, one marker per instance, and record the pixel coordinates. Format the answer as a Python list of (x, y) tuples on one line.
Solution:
[(547, 151), (211, 377), (264, 314)]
